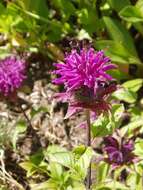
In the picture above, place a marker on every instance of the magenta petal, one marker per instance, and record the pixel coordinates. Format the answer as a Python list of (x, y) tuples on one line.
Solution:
[(109, 67), (111, 141), (110, 149), (63, 97), (105, 75), (82, 125), (71, 111)]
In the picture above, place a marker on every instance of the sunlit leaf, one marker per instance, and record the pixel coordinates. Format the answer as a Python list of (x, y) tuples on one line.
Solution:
[(119, 33), (131, 14), (118, 5), (117, 52), (133, 85), (82, 164), (125, 95)]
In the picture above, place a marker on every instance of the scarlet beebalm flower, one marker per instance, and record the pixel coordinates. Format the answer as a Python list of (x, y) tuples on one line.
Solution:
[(12, 74), (85, 79)]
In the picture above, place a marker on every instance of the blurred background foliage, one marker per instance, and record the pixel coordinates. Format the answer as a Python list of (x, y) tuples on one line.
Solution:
[(45, 26)]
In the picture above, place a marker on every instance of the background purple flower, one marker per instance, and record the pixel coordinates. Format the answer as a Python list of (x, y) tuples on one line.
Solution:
[(120, 151), (12, 74)]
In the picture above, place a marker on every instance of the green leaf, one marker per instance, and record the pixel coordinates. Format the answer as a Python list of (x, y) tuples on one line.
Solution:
[(125, 95), (102, 126), (56, 171), (116, 114), (88, 19), (119, 33), (133, 125), (29, 167), (37, 158), (117, 52), (102, 172), (4, 52), (79, 150), (134, 181), (54, 149), (118, 5), (50, 184), (38, 7), (139, 148), (131, 14), (77, 186), (81, 166), (64, 158), (118, 74), (105, 125), (2, 9), (65, 7), (111, 185), (60, 155), (20, 128), (35, 164), (55, 31), (128, 92), (133, 85)]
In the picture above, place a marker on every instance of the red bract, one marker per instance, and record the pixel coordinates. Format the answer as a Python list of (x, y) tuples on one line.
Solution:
[(120, 151)]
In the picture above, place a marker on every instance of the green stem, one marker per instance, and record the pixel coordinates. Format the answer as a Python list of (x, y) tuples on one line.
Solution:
[(88, 184)]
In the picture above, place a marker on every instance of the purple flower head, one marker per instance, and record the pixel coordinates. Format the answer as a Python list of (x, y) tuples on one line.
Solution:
[(85, 80), (83, 69), (119, 153), (12, 74)]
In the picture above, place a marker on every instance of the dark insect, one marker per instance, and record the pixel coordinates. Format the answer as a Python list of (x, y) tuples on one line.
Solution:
[(88, 95), (80, 44)]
